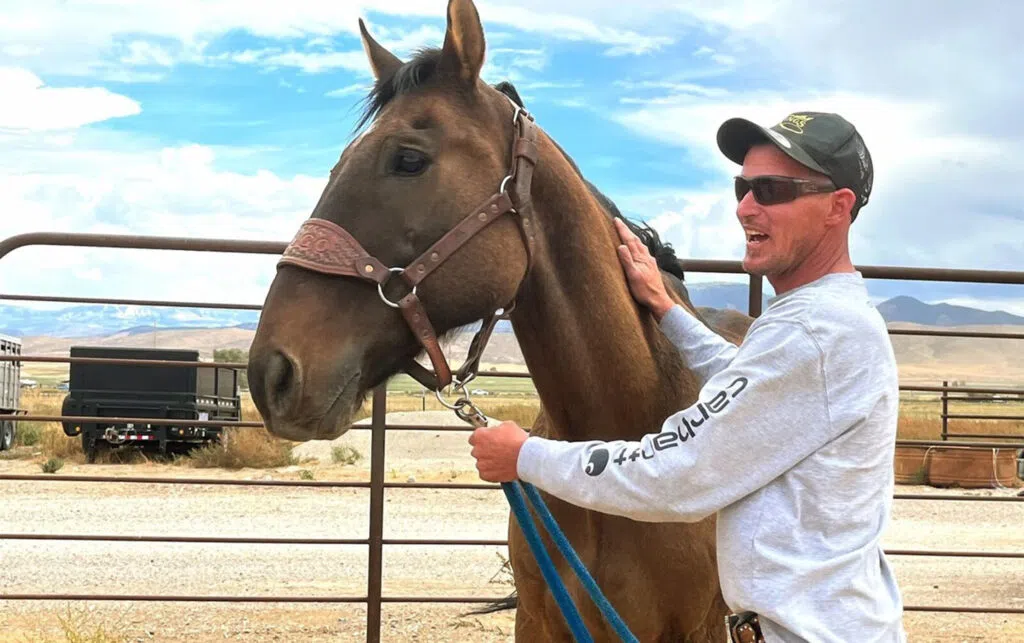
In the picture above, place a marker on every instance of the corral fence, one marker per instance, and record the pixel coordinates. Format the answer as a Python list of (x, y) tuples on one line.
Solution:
[(984, 397), (374, 598)]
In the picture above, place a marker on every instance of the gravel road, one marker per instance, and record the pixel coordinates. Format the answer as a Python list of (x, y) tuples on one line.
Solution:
[(32, 566)]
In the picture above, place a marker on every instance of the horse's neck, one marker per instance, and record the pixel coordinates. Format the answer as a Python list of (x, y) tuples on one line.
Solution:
[(602, 368)]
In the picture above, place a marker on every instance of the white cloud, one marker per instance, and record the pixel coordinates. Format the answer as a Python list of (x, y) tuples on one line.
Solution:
[(348, 90), (700, 224), (544, 84), (932, 203), (400, 42), (92, 33), (29, 105), (315, 62), (514, 65), (116, 184), (142, 53), (678, 91)]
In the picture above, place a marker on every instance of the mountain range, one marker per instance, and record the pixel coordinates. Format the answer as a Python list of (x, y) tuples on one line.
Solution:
[(103, 320)]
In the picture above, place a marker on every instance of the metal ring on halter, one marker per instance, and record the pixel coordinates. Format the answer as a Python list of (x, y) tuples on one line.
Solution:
[(504, 181), (380, 289), (455, 386), (459, 403)]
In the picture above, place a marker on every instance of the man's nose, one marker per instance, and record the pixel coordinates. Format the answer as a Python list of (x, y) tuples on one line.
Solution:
[(747, 206)]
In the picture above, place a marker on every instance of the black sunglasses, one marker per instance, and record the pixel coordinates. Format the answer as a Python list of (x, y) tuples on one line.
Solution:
[(772, 190)]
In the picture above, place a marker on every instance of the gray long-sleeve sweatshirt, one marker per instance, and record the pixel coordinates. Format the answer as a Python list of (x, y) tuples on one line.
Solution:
[(791, 443)]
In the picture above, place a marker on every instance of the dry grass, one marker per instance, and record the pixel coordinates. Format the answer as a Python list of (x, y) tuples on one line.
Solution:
[(76, 625), (46, 438), (240, 449), (921, 418)]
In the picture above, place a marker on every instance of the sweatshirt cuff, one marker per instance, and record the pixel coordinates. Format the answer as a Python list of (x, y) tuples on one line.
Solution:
[(532, 456)]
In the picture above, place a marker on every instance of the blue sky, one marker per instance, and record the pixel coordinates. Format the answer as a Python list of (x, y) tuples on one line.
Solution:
[(221, 119)]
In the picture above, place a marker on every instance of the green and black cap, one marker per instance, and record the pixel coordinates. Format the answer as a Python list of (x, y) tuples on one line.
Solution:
[(824, 142)]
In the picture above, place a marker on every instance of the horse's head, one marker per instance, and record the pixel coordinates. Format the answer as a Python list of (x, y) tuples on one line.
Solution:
[(419, 199)]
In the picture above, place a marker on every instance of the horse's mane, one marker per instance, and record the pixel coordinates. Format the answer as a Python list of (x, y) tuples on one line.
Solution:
[(418, 71), (662, 251)]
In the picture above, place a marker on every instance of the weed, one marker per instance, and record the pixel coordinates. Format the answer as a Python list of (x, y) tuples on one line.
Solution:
[(29, 434), (53, 465), (242, 448), (345, 455)]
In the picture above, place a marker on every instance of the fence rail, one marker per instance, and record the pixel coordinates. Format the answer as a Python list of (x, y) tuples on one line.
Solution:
[(374, 597)]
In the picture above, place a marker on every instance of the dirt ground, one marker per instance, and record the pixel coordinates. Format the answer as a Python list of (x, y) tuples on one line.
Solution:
[(33, 566)]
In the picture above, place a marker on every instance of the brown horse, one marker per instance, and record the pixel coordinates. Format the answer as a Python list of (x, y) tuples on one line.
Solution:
[(440, 143)]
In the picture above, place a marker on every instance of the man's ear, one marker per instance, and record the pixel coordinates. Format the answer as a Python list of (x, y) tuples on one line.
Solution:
[(842, 201)]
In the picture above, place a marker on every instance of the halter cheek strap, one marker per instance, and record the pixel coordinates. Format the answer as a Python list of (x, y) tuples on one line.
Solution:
[(325, 247)]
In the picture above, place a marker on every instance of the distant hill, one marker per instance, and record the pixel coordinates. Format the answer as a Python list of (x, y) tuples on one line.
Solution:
[(908, 309), (95, 321), (100, 320), (722, 295)]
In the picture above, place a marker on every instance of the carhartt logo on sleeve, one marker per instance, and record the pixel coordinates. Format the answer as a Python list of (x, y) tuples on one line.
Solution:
[(598, 461), (685, 430)]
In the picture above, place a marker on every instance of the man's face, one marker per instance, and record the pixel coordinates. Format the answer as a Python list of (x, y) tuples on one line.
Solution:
[(781, 236)]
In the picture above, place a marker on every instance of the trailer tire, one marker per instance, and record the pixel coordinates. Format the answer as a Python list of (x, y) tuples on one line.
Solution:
[(69, 407), (6, 435)]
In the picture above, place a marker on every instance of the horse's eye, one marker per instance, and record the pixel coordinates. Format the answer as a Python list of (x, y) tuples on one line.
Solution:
[(409, 162)]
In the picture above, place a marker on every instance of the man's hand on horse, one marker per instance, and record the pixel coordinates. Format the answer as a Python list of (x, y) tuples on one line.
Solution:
[(496, 449), (642, 272)]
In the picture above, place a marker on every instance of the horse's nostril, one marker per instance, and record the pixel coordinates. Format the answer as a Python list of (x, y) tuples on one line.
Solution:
[(280, 382)]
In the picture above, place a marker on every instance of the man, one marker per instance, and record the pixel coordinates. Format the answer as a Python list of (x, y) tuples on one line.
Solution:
[(791, 442)]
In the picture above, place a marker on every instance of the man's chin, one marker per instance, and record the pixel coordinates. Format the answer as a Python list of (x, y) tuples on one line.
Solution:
[(755, 267)]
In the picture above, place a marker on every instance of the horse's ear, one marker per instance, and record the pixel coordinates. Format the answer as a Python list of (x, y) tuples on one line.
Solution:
[(382, 62), (463, 50)]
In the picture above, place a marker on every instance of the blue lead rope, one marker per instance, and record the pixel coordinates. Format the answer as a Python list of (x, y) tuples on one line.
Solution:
[(547, 567), (573, 558)]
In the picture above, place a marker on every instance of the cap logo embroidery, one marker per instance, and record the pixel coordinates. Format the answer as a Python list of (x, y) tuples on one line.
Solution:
[(780, 138), (796, 123)]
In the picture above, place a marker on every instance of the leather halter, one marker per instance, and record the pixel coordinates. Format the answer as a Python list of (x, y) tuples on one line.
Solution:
[(325, 247)]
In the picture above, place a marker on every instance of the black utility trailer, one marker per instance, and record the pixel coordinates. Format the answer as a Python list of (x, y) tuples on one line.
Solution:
[(10, 389), (150, 392)]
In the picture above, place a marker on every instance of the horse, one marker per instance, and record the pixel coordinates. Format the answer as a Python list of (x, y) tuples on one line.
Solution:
[(449, 206)]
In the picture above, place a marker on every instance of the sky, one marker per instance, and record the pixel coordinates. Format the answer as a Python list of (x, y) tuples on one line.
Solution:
[(201, 118)]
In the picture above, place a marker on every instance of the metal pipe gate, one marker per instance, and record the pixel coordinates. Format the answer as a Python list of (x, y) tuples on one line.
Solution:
[(373, 597)]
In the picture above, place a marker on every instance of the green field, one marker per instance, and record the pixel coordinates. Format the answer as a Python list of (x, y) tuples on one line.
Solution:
[(501, 386)]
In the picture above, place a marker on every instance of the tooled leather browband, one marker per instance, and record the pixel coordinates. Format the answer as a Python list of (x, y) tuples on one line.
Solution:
[(324, 246)]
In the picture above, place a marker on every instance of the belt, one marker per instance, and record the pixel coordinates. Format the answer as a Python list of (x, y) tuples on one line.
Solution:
[(743, 627)]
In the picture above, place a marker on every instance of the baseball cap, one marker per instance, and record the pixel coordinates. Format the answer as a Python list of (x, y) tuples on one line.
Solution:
[(822, 141)]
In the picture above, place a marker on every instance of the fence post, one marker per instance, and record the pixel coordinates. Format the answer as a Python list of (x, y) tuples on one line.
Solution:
[(376, 536), (754, 299), (945, 410)]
